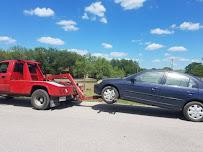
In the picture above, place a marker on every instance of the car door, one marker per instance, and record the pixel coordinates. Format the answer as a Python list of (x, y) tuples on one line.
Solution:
[(4, 80), (144, 87), (177, 89)]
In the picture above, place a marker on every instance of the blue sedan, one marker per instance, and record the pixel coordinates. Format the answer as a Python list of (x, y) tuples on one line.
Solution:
[(166, 89)]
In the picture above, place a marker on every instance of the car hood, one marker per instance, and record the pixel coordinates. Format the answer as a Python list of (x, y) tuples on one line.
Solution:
[(112, 80)]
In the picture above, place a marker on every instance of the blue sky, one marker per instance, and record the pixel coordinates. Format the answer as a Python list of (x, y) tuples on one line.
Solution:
[(152, 32)]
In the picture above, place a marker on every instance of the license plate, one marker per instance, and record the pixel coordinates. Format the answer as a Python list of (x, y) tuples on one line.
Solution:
[(62, 98)]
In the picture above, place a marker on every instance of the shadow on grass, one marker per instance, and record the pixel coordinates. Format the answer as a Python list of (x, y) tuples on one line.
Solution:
[(138, 110)]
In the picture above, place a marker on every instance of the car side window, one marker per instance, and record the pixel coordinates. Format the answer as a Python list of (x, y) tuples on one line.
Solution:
[(176, 79), (4, 67), (192, 84), (150, 77)]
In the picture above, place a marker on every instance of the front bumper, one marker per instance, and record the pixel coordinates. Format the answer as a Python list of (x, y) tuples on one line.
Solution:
[(97, 89)]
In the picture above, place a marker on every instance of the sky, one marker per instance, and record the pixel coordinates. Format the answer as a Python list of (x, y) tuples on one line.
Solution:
[(151, 32)]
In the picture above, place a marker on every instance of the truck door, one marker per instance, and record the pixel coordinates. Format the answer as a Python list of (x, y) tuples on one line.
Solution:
[(4, 79)]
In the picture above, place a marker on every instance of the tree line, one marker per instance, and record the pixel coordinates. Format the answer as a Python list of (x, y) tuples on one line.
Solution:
[(55, 61)]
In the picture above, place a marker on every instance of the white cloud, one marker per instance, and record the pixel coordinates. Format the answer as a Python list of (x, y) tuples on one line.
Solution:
[(167, 54), (50, 41), (7, 40), (41, 12), (103, 20), (154, 46), (94, 11), (119, 54), (190, 26), (68, 25), (85, 16), (173, 26), (177, 49), (130, 4), (159, 31), (107, 45), (79, 51), (156, 61), (96, 8)]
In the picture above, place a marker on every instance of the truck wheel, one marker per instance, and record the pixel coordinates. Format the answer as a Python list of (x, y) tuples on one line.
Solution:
[(193, 111), (40, 99), (110, 94)]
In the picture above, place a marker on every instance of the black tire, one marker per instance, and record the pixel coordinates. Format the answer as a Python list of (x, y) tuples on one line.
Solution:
[(9, 97), (40, 99), (192, 115), (114, 96)]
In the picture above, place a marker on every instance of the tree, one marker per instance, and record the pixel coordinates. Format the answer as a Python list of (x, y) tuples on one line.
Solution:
[(168, 69), (195, 69), (55, 61), (116, 72), (102, 68), (128, 66)]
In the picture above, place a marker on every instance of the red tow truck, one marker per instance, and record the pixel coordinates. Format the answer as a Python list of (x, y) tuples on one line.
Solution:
[(25, 78)]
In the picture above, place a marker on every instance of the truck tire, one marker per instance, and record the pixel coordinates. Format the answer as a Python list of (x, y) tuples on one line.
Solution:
[(40, 99), (193, 111), (110, 95)]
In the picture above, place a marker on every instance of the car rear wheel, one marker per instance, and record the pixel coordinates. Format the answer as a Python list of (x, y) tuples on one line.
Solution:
[(110, 94), (193, 111), (40, 99)]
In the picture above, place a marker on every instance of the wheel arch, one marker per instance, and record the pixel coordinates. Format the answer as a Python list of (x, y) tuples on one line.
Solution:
[(191, 100), (36, 87)]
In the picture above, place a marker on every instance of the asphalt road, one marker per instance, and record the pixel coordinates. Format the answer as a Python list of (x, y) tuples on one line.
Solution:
[(95, 127)]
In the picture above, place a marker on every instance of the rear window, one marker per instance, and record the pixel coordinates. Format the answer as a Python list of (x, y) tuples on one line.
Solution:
[(4, 67), (176, 79)]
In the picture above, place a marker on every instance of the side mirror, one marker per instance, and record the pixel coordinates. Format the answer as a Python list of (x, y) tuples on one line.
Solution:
[(133, 80)]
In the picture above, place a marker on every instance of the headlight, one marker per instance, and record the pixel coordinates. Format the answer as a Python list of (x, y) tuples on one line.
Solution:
[(100, 81)]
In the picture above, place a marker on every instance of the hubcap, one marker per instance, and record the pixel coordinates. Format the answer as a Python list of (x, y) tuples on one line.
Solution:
[(109, 94), (39, 101), (195, 112)]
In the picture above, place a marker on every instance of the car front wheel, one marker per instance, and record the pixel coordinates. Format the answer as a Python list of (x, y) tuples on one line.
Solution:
[(110, 94), (193, 111)]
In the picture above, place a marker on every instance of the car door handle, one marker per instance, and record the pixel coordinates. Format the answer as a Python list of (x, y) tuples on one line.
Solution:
[(190, 93), (154, 89), (3, 76)]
